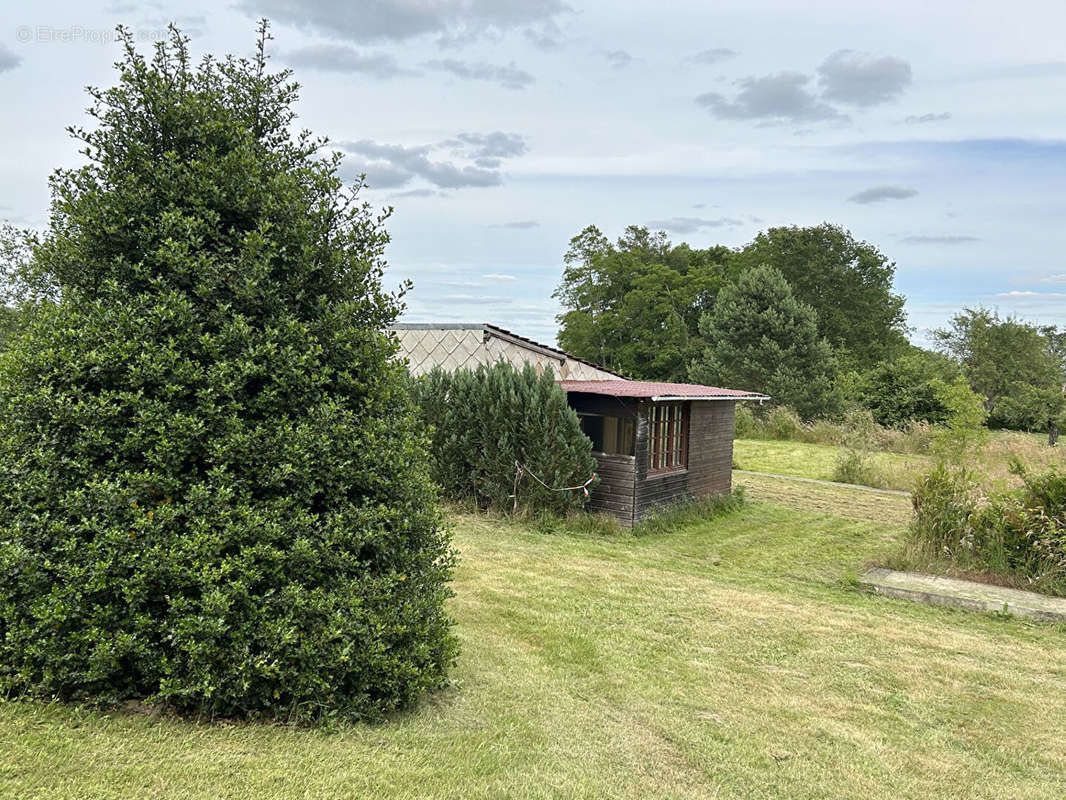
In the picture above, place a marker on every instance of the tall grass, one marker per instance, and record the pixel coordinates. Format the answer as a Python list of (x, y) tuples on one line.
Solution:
[(783, 424), (1015, 536)]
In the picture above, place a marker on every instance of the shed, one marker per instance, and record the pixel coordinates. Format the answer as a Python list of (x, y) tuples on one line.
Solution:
[(654, 443)]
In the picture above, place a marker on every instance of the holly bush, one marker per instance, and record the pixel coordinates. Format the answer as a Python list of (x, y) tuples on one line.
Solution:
[(214, 492)]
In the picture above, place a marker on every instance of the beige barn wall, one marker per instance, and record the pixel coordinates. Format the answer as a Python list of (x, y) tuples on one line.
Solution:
[(456, 348)]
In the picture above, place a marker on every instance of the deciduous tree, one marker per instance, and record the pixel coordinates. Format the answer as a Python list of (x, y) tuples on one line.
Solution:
[(635, 306), (847, 282)]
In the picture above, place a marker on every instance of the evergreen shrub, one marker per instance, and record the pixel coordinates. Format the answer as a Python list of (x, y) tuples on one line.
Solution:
[(484, 421), (214, 491)]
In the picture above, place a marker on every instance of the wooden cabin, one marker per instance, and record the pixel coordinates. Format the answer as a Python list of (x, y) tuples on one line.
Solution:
[(655, 443)]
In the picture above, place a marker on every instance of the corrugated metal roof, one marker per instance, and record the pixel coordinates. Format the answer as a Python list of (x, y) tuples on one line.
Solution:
[(659, 391)]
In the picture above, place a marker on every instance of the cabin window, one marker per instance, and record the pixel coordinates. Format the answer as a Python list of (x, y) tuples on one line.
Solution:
[(668, 438), (611, 435)]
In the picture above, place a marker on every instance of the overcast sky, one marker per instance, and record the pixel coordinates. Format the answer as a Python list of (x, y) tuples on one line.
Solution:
[(498, 129)]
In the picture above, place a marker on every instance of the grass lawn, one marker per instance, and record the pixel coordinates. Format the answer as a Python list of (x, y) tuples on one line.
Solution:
[(838, 501), (818, 461), (731, 659)]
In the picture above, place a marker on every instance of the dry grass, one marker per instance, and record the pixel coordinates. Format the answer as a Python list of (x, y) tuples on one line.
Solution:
[(729, 659)]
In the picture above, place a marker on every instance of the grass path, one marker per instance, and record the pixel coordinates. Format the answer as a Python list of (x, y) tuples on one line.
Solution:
[(852, 502), (729, 660)]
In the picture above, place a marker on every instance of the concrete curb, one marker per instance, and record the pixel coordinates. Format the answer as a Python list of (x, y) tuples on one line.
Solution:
[(942, 591)]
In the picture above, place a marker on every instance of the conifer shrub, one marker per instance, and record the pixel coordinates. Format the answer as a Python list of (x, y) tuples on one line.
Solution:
[(214, 491), (484, 421)]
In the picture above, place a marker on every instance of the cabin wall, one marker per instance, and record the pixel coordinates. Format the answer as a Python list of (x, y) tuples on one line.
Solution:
[(614, 493), (627, 492), (710, 458), (710, 447)]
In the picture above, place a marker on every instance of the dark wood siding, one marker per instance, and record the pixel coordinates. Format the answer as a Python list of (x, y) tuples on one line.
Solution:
[(710, 458), (614, 493), (710, 447), (627, 492)]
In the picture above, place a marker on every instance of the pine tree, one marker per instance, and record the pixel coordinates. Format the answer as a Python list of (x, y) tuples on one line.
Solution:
[(761, 338)]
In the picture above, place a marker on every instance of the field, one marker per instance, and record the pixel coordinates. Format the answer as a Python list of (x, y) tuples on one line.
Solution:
[(896, 470), (730, 659), (818, 460)]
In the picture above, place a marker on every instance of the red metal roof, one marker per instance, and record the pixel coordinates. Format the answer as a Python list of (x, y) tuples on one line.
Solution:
[(659, 391)]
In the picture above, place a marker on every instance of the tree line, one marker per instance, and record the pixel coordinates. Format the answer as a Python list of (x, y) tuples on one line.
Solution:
[(809, 315)]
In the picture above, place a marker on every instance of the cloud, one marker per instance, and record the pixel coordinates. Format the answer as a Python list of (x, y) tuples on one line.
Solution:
[(860, 79), (397, 20), (518, 225), (509, 77), (939, 239), (1024, 293), (8, 60), (389, 166), (877, 194), (923, 118), (1034, 302), (714, 55), (341, 58), (692, 224), (417, 193), (496, 276), (546, 35), (488, 149), (1059, 278), (781, 96), (618, 59)]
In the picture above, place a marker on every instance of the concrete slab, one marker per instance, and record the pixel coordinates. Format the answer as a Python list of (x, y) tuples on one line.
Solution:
[(941, 591)]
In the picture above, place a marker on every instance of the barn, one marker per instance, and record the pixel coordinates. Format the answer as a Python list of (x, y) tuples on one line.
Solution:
[(655, 443)]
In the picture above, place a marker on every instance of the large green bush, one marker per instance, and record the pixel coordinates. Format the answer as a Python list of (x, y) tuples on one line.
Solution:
[(213, 488), (906, 388), (484, 421)]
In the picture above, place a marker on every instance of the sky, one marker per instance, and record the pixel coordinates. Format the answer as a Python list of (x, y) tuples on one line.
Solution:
[(499, 129)]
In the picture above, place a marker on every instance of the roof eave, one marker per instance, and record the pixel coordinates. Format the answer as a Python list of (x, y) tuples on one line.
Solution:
[(674, 398)]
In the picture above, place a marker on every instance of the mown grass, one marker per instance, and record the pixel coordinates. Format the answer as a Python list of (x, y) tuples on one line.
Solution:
[(727, 659), (889, 509)]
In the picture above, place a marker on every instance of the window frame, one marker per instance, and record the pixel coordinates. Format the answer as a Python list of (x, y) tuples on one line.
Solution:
[(668, 427)]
